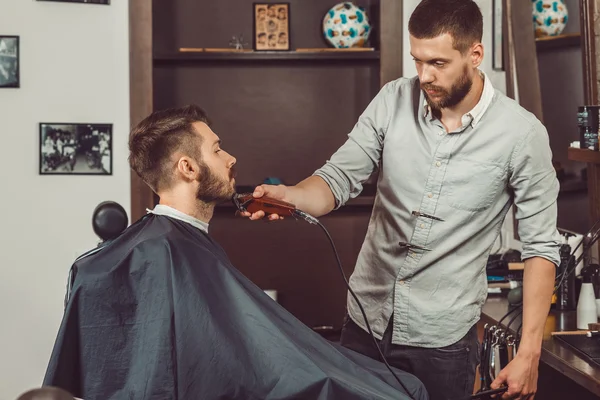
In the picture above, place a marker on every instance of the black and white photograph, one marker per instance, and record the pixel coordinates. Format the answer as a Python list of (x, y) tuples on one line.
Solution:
[(9, 61), (107, 2), (74, 148)]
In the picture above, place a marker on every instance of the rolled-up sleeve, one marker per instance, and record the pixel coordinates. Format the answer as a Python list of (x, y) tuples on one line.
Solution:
[(355, 161), (535, 185)]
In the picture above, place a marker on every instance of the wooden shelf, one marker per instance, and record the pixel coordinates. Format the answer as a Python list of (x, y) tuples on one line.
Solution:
[(584, 155), (558, 42), (266, 56)]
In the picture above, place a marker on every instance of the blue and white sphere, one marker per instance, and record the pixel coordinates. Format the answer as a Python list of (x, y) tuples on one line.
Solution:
[(346, 25), (549, 17)]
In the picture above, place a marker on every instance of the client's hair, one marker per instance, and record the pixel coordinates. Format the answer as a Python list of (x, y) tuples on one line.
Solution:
[(154, 140), (461, 19), (46, 393)]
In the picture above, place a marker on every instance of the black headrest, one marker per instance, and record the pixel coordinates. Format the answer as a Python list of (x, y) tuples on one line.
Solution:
[(109, 220)]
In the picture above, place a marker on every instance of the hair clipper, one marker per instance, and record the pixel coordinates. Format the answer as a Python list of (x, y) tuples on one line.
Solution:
[(247, 202)]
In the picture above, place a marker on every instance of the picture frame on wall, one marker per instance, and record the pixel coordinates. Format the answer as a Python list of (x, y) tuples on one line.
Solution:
[(9, 62), (106, 2), (75, 149), (271, 25)]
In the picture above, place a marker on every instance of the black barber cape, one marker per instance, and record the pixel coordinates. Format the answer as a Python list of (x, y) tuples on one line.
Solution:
[(160, 313)]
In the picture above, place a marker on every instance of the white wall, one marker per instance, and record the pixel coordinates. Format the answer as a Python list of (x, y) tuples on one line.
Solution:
[(74, 68)]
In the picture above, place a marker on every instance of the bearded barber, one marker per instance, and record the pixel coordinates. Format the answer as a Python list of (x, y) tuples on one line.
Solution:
[(453, 155)]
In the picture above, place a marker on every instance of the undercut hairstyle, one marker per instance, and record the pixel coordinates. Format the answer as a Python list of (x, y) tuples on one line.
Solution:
[(461, 19), (46, 393), (154, 140)]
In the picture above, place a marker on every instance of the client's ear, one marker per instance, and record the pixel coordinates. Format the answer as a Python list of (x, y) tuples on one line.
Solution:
[(188, 168)]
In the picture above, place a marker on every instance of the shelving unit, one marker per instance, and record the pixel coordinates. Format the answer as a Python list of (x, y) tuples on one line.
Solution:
[(592, 159), (584, 155), (281, 114), (184, 57), (557, 42)]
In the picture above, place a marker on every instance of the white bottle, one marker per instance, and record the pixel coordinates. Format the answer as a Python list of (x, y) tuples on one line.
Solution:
[(587, 312)]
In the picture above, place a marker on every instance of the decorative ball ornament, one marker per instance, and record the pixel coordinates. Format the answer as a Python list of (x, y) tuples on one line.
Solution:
[(346, 25), (549, 17)]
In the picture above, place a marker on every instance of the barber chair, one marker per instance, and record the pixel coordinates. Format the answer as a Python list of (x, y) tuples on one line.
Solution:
[(109, 220)]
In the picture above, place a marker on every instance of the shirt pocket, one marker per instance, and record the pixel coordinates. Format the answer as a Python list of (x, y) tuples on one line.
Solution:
[(473, 185)]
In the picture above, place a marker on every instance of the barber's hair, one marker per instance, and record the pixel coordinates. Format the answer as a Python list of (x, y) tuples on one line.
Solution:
[(46, 393), (461, 19), (154, 140)]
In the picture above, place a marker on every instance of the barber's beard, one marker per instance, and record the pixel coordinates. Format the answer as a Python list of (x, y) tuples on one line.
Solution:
[(449, 98), (213, 189)]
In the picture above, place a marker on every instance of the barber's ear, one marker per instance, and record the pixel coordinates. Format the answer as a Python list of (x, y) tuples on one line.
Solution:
[(188, 169), (477, 55)]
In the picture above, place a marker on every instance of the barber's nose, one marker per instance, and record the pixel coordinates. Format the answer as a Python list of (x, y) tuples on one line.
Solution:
[(425, 75)]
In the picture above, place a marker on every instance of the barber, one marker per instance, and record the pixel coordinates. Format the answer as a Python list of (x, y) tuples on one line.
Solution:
[(453, 154)]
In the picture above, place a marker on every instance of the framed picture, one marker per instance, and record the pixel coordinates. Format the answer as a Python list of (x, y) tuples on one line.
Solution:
[(107, 2), (271, 26), (76, 149), (9, 62), (497, 33)]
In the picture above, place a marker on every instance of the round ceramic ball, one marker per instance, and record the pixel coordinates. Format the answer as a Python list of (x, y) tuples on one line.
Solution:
[(346, 25), (549, 17)]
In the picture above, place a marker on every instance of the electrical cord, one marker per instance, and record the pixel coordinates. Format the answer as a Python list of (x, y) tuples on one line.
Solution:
[(508, 313), (586, 248), (337, 257), (594, 234), (513, 319)]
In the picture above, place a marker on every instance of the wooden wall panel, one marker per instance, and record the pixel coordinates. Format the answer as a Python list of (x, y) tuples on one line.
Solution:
[(140, 76), (525, 56), (588, 53), (392, 33), (279, 119)]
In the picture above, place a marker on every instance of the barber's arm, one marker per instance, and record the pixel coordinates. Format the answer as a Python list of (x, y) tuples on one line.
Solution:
[(535, 186), (342, 177)]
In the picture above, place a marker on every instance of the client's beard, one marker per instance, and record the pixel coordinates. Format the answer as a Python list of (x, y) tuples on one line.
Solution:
[(449, 98), (212, 188)]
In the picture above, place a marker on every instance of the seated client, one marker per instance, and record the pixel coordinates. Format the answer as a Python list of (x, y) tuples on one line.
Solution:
[(160, 313)]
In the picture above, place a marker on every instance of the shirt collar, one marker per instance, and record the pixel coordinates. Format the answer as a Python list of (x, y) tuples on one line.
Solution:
[(161, 209), (473, 116)]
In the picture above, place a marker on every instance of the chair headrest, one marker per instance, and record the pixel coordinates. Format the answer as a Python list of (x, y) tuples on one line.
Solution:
[(109, 220)]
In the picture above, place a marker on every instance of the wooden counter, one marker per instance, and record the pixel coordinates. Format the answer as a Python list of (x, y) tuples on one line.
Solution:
[(563, 374)]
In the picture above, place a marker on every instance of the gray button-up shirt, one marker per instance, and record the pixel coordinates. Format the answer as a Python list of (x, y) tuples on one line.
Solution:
[(467, 178)]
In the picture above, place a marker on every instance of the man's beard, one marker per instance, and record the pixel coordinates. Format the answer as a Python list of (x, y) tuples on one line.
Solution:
[(212, 188), (450, 98)]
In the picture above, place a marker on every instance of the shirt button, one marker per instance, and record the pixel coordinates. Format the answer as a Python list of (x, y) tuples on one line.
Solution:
[(437, 164), (401, 282), (430, 195), (422, 226)]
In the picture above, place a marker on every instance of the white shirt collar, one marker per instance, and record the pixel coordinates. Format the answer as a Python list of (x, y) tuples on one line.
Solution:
[(161, 209), (474, 116)]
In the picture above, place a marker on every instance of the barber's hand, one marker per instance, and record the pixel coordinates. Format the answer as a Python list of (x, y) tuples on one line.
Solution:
[(277, 192), (521, 376)]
